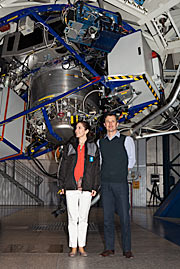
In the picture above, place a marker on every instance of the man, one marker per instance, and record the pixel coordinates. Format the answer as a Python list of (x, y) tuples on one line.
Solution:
[(118, 156)]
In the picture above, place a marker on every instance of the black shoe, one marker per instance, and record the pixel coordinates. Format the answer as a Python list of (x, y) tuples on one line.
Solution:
[(106, 253), (128, 254)]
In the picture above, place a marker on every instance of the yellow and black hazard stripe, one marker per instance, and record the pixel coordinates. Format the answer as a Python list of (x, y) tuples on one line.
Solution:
[(111, 78), (124, 77), (142, 109), (125, 114), (151, 88)]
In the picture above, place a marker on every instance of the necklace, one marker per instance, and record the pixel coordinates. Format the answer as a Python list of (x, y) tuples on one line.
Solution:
[(81, 145)]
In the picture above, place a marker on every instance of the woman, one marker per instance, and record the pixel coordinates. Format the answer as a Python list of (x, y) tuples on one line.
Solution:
[(79, 176)]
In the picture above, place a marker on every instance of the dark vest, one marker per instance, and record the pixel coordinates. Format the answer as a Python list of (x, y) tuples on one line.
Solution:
[(114, 167)]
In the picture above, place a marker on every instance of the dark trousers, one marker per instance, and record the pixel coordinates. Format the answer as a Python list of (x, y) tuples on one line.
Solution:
[(115, 198)]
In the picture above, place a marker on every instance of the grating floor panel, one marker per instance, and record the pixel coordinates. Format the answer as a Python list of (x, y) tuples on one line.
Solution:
[(60, 226)]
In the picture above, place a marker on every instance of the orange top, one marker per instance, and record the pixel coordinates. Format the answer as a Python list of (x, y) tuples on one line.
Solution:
[(79, 169)]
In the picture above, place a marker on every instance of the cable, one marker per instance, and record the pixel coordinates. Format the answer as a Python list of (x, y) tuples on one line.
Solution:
[(46, 29), (87, 96), (42, 169), (156, 130)]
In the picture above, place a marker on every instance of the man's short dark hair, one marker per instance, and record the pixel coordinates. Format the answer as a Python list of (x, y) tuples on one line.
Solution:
[(110, 114)]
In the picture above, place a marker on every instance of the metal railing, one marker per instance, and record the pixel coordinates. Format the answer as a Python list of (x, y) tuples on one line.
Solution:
[(25, 187)]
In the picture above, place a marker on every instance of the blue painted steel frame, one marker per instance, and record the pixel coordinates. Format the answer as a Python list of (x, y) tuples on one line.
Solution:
[(72, 51), (35, 154), (39, 147), (48, 124), (11, 145), (114, 84), (33, 11), (21, 114), (33, 109), (136, 109), (28, 11)]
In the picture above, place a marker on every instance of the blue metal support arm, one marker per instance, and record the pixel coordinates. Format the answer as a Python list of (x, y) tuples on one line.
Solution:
[(36, 149), (25, 157), (138, 109), (47, 8), (14, 16), (11, 145), (41, 153), (48, 124), (71, 50), (23, 113)]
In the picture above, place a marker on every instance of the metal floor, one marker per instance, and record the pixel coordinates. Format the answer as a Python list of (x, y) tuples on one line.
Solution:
[(31, 238)]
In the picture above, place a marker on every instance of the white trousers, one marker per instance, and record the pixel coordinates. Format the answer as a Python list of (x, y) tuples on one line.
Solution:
[(78, 205)]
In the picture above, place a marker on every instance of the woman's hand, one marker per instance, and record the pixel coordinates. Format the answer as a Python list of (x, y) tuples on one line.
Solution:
[(93, 193), (61, 192)]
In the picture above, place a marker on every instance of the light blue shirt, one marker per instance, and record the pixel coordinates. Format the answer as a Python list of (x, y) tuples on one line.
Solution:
[(129, 146)]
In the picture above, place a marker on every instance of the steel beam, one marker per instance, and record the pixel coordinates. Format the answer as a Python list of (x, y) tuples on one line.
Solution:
[(166, 165)]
